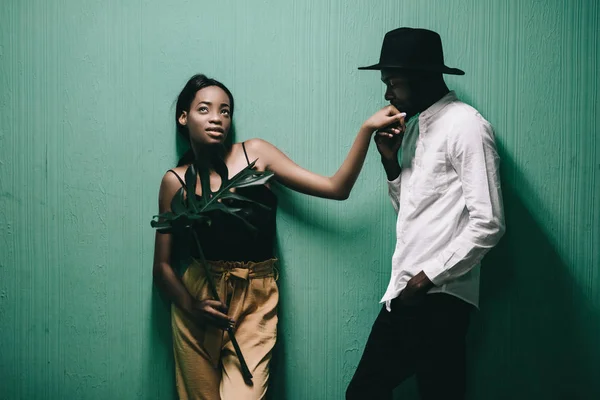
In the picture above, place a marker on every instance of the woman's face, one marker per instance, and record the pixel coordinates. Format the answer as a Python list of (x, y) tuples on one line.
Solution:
[(209, 118)]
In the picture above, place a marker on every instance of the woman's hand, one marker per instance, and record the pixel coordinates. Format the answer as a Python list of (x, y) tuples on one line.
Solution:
[(388, 119)]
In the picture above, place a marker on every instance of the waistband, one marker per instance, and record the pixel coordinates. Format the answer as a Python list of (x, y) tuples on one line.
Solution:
[(242, 269)]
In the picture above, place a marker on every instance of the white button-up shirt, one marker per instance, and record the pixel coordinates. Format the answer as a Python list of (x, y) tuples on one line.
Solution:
[(448, 200)]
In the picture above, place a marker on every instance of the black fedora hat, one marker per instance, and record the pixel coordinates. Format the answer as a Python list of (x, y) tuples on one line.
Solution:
[(413, 49)]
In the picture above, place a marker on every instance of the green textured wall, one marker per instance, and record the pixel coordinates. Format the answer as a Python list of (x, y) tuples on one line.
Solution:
[(86, 132)]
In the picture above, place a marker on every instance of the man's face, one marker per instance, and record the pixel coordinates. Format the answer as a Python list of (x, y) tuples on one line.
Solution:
[(399, 92)]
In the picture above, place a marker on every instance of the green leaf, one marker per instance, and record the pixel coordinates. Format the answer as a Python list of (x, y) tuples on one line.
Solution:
[(185, 214), (254, 180), (166, 216), (239, 197), (178, 203), (198, 218), (160, 225), (221, 207), (250, 177), (190, 184), (246, 177), (204, 173), (221, 169)]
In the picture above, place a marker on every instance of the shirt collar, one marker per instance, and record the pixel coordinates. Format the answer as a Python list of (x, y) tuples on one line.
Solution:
[(438, 106)]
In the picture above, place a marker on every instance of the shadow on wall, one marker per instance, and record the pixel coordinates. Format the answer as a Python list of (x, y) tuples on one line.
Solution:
[(161, 347), (278, 375), (536, 336)]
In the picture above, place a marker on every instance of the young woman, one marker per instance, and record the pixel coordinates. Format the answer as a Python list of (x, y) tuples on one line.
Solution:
[(242, 260)]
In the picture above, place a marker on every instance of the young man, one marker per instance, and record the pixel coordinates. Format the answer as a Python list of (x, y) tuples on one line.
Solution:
[(446, 191)]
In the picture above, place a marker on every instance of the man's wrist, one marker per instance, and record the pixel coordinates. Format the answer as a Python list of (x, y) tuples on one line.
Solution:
[(392, 167)]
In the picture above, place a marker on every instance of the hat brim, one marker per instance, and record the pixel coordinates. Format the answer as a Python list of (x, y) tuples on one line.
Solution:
[(428, 68)]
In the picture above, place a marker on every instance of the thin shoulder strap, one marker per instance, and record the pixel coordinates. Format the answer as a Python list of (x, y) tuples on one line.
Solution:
[(178, 178), (246, 154)]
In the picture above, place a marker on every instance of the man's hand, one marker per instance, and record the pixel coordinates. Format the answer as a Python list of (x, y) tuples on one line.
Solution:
[(388, 142), (416, 289), (389, 139), (389, 135)]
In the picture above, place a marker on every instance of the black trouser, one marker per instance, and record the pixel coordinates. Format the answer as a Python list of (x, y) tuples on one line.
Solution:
[(427, 339)]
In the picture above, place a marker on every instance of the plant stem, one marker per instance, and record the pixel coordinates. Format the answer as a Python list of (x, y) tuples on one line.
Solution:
[(213, 288)]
